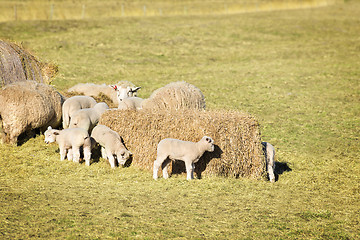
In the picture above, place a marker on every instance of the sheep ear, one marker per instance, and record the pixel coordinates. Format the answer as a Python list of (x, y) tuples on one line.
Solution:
[(114, 87), (49, 128), (56, 133), (135, 89)]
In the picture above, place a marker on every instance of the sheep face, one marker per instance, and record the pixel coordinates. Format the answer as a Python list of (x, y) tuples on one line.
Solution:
[(209, 143), (50, 135), (125, 92), (122, 156)]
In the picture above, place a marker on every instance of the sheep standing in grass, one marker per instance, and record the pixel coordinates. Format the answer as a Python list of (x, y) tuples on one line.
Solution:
[(111, 145), (88, 118), (74, 104), (91, 89), (28, 105), (269, 152), (173, 149), (70, 140)]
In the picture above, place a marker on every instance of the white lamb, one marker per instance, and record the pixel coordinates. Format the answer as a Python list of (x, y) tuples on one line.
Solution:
[(133, 103), (111, 145), (70, 140), (173, 149), (74, 104), (88, 118), (269, 151)]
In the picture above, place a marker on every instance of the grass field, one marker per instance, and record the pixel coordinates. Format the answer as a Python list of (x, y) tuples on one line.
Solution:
[(296, 71)]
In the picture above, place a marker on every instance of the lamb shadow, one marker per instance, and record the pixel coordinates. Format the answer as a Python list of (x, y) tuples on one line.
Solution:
[(178, 167), (280, 168)]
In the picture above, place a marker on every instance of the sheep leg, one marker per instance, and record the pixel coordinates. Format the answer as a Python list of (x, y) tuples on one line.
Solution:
[(69, 154), (157, 163), (165, 167), (271, 167), (189, 170), (87, 154), (62, 153), (103, 153), (111, 159), (76, 154)]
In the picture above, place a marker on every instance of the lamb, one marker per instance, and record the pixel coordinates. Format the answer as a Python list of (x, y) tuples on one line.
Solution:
[(133, 103), (70, 140), (88, 118), (91, 89), (74, 104), (26, 106), (111, 145), (173, 149), (269, 152)]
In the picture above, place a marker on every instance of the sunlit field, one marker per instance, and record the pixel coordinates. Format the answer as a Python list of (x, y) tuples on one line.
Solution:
[(296, 71)]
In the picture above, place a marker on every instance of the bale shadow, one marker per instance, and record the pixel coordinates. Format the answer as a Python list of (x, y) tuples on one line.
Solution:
[(178, 167), (280, 168)]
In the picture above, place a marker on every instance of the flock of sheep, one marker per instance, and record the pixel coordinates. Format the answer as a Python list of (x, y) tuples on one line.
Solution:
[(28, 105)]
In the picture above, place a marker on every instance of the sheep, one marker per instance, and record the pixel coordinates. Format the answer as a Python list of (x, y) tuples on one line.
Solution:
[(269, 152), (173, 149), (26, 106), (133, 103), (111, 145), (176, 95), (91, 89), (74, 104), (87, 118), (123, 91), (70, 140)]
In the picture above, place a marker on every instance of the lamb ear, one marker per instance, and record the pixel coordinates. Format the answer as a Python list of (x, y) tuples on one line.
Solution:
[(49, 128), (56, 133)]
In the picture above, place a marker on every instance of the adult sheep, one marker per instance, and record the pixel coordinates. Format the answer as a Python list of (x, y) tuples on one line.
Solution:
[(91, 89), (176, 95), (26, 106)]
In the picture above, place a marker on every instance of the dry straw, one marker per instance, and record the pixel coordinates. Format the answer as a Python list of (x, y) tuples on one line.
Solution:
[(17, 64), (238, 151)]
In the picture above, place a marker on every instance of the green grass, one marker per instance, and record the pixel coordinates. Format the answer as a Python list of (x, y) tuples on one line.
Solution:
[(296, 71)]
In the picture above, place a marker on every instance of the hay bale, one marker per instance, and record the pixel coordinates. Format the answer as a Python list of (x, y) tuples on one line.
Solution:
[(17, 64), (238, 149), (176, 95)]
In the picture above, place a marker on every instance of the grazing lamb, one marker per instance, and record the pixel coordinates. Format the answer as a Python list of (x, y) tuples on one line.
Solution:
[(74, 104), (269, 152), (133, 103), (88, 118), (28, 105), (173, 149), (111, 145), (91, 89), (70, 140)]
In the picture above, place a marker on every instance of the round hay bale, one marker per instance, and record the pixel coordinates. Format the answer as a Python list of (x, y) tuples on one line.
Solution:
[(238, 149), (176, 95), (17, 64)]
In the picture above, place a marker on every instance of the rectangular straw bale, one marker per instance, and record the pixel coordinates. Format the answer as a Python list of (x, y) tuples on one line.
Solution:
[(238, 149)]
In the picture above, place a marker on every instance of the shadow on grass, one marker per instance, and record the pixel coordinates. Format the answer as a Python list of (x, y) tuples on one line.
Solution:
[(178, 167), (280, 168)]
